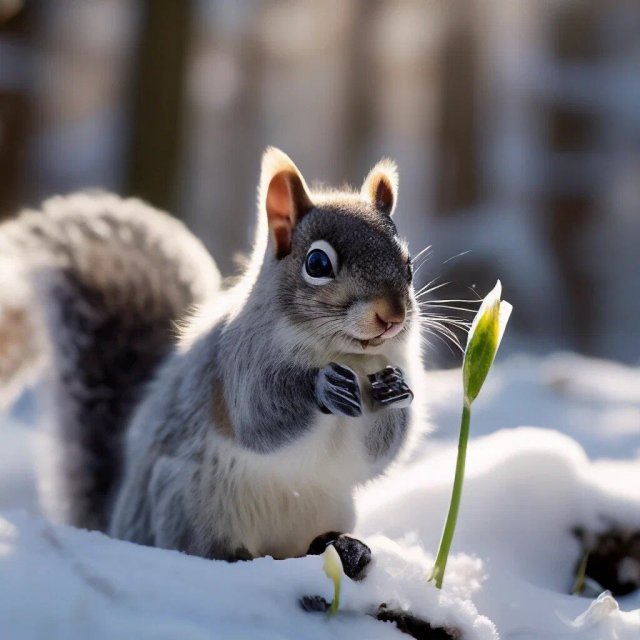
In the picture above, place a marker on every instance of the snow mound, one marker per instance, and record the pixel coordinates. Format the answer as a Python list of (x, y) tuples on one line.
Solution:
[(526, 489), (60, 582)]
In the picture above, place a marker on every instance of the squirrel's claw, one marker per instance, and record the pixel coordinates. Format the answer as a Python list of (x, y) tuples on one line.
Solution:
[(338, 391), (389, 389)]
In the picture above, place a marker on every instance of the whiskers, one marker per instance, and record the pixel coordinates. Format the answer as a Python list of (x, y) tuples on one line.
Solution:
[(436, 319), (421, 258), (443, 328), (446, 319)]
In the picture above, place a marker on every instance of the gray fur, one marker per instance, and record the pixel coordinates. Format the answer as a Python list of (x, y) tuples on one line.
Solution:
[(387, 434), (227, 452)]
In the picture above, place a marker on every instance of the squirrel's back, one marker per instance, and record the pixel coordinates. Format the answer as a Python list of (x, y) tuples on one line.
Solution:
[(91, 287)]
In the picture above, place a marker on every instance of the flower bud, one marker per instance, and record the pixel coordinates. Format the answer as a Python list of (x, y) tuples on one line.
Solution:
[(333, 569), (483, 341)]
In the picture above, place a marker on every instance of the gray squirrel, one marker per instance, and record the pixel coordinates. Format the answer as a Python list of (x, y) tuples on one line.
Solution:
[(226, 422)]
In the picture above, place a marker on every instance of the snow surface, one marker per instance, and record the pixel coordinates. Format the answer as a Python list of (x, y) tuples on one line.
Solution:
[(513, 557)]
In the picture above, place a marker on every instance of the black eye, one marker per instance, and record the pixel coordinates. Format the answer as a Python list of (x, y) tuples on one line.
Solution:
[(321, 264), (409, 271), (318, 264)]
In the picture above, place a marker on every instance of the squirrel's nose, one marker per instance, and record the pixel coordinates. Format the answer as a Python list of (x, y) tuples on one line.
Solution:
[(389, 312), (387, 323)]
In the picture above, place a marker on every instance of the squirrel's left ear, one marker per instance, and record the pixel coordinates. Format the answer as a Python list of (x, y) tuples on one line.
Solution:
[(284, 196), (380, 187)]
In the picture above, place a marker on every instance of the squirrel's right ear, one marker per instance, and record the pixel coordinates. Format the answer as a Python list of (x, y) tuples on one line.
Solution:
[(284, 196)]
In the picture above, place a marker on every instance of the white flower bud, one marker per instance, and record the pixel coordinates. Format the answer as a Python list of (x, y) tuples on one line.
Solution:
[(333, 569), (483, 341)]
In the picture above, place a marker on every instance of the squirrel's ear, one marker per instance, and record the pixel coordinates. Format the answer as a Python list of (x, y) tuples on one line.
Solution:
[(380, 187), (284, 195)]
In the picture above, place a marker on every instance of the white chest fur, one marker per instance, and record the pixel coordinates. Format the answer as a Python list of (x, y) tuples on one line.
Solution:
[(277, 504)]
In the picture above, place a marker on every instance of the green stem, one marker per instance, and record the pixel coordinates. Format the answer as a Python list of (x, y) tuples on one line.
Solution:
[(578, 585), (335, 605), (456, 494)]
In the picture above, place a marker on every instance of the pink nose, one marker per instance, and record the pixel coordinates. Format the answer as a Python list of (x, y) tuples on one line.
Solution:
[(389, 313), (385, 323)]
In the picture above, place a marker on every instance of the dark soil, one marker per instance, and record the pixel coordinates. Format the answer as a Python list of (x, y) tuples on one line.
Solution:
[(614, 559), (415, 627), (405, 621)]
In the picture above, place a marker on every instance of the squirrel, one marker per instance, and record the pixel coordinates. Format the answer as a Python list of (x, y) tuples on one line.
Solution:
[(229, 422)]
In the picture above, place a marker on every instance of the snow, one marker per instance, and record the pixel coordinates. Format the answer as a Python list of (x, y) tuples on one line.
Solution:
[(513, 559), (525, 490), (86, 585)]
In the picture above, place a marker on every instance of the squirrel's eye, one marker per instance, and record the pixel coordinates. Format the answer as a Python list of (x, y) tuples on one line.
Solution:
[(321, 263), (318, 264)]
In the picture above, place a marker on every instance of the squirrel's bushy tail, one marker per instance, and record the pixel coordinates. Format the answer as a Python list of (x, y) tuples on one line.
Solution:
[(91, 287)]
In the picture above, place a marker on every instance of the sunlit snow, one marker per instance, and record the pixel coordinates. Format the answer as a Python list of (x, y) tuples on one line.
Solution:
[(513, 557)]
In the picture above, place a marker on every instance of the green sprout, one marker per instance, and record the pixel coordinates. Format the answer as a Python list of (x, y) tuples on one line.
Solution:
[(482, 345), (334, 571), (581, 576)]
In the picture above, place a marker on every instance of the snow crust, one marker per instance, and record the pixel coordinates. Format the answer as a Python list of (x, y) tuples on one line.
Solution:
[(514, 553)]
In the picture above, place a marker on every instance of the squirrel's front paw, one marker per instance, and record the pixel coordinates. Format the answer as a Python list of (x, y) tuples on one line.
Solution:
[(338, 391), (389, 389)]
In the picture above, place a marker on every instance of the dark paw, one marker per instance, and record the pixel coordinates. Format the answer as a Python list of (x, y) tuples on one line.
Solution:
[(389, 389), (338, 391), (354, 554)]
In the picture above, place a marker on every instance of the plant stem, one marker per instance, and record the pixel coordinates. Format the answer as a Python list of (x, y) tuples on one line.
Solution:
[(578, 585), (335, 605), (456, 494)]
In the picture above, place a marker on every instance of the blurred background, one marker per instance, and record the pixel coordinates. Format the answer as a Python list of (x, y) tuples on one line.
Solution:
[(515, 125)]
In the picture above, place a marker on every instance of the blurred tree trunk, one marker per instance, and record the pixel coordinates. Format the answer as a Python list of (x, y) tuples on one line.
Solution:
[(458, 183), (15, 113), (572, 132), (158, 91), (14, 125), (362, 85), (224, 129)]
